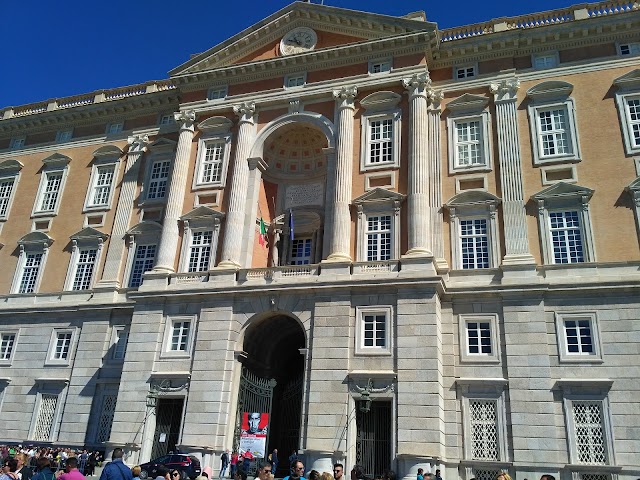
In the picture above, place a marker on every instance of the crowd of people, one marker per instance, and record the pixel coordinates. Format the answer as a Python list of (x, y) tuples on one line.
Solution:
[(29, 461)]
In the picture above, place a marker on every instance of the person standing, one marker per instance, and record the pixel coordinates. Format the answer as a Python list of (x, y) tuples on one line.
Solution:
[(274, 461), (71, 470), (233, 464), (420, 475), (116, 469), (338, 471), (224, 463), (297, 470)]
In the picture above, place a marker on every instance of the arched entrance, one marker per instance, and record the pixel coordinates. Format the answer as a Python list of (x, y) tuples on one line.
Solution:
[(272, 380)]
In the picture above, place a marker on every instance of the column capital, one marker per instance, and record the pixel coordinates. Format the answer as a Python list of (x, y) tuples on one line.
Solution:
[(138, 143), (417, 84), (185, 119), (246, 111), (505, 90), (345, 96), (435, 97)]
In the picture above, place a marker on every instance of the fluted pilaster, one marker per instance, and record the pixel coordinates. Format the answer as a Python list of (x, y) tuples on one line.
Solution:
[(435, 183), (235, 219), (418, 201), (175, 200), (513, 204), (340, 247), (113, 262)]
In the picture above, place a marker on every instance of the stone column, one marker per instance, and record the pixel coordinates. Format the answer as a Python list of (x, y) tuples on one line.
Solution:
[(256, 168), (435, 184), (175, 201), (513, 204), (418, 208), (340, 245), (235, 220), (113, 263)]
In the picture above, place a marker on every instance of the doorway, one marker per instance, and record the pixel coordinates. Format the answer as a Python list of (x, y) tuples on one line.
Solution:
[(373, 437), (168, 420)]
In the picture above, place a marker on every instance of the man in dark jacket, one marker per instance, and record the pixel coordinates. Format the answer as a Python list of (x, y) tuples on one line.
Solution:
[(116, 469)]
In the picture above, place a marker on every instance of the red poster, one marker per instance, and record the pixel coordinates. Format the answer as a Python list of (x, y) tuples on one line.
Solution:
[(253, 437)]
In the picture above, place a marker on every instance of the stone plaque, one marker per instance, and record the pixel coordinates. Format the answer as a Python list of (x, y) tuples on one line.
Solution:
[(303, 195)]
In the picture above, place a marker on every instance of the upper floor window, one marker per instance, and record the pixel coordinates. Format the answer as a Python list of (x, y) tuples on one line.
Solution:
[(34, 248), (17, 142), (295, 80), (179, 335), (378, 225), (373, 335), (628, 49), (380, 66), (143, 246), (61, 346), (469, 138), (166, 119), (217, 93), (85, 257), (201, 231), (101, 186), (143, 261), (115, 127), (213, 157), (479, 338), (119, 342), (64, 135), (474, 230), (200, 251), (9, 175), (565, 223), (158, 178), (628, 103), (578, 337), (465, 71), (553, 125), (542, 61), (52, 182), (380, 131)]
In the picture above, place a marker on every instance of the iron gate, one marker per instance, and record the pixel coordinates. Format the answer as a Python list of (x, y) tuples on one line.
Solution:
[(168, 419), (373, 440)]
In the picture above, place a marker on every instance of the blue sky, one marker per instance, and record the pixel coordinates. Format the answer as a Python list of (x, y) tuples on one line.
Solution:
[(68, 47)]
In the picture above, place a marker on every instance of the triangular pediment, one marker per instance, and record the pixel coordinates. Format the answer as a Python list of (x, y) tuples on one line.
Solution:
[(468, 102), (334, 27), (201, 213), (379, 195), (562, 190), (628, 81), (89, 233), (472, 198), (10, 166)]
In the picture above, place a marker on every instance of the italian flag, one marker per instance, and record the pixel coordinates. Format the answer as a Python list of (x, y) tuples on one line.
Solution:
[(263, 232)]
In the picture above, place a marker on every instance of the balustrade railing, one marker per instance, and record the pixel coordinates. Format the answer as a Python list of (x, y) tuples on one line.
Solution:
[(276, 273), (188, 278)]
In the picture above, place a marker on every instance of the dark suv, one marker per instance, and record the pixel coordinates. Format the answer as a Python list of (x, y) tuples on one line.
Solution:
[(187, 464)]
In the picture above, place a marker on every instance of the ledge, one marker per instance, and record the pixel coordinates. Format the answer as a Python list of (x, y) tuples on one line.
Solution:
[(5, 379), (482, 381), (580, 467), (64, 380), (372, 374), (176, 374), (565, 383)]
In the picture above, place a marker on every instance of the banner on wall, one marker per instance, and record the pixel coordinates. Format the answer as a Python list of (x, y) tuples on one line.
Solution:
[(253, 435)]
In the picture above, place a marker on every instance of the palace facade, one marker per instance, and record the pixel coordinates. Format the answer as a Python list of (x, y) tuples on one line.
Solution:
[(409, 246)]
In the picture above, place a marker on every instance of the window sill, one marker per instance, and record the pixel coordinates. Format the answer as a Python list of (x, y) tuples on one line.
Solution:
[(555, 160), (469, 359), (373, 352), (6, 363), (171, 354), (475, 168), (209, 186), (380, 166), (577, 359), (57, 363), (47, 214), (97, 208)]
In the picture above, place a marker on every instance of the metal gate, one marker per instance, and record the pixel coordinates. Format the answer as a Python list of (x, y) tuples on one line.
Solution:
[(373, 440), (255, 395), (289, 410), (168, 420)]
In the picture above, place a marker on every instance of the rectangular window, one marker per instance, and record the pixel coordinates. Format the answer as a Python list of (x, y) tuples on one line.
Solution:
[(105, 421), (167, 119), (64, 135), (380, 66), (474, 243), (554, 132), (62, 346), (143, 262), (180, 336), (566, 237), (467, 71), (50, 192), (578, 337), (85, 265), (200, 251), (212, 161), (479, 338), (46, 416), (113, 128), (629, 49), (547, 60), (589, 431), (295, 80), (6, 189), (17, 142), (30, 271), (484, 430), (374, 330), (217, 93), (7, 342), (381, 141), (120, 343), (633, 115), (378, 236), (101, 186), (301, 251), (468, 139), (158, 179)]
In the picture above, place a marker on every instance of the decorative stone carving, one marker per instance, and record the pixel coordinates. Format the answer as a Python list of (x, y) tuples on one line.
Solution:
[(185, 119), (246, 111), (138, 143), (505, 89), (304, 194)]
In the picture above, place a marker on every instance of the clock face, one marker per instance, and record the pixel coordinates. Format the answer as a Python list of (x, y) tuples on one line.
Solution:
[(298, 40)]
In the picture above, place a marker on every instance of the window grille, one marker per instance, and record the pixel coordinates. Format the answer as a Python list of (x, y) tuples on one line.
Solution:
[(84, 269), (301, 251), (474, 240), (554, 132), (6, 187), (200, 251), (374, 326), (106, 418), (212, 162), (46, 416), (102, 186), (595, 476), (484, 430), (6, 345), (49, 197), (381, 141), (469, 143), (143, 262), (481, 474), (158, 179), (566, 237), (30, 271), (378, 238), (589, 432), (180, 336)]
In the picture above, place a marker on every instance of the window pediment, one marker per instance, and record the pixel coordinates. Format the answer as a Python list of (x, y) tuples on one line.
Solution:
[(472, 198), (380, 101), (468, 103), (216, 125), (202, 213), (89, 234), (145, 228), (379, 196), (163, 145), (56, 160), (628, 81), (561, 191), (36, 239), (547, 91), (10, 166), (107, 151)]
